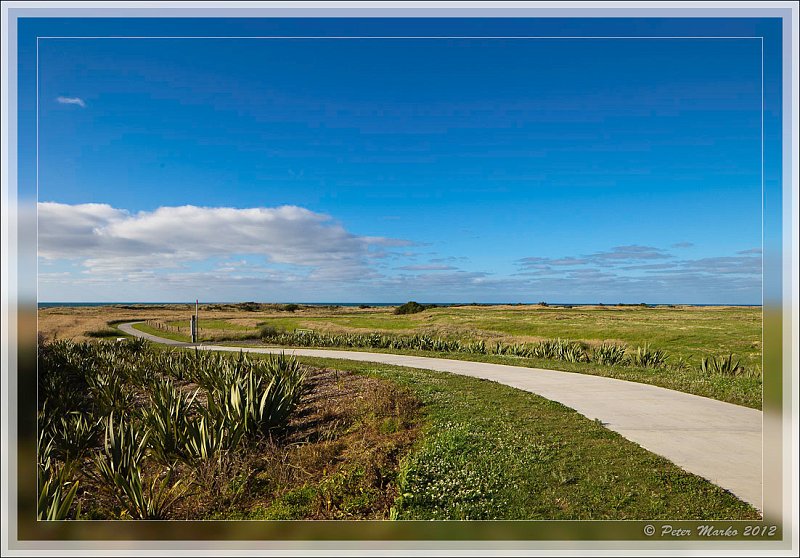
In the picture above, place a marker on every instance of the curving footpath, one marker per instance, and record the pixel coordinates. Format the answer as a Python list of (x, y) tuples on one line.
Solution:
[(713, 439)]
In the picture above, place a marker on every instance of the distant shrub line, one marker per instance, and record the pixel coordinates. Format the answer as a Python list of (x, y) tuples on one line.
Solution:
[(608, 354)]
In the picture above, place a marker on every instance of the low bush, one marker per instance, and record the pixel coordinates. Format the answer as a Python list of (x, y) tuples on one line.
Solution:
[(103, 333), (119, 419), (645, 357), (608, 354), (267, 331), (57, 489), (410, 307), (725, 366)]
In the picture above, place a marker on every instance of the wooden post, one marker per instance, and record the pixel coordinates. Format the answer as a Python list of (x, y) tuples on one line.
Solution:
[(194, 329)]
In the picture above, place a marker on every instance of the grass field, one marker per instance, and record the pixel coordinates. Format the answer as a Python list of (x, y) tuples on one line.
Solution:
[(684, 331), (686, 334)]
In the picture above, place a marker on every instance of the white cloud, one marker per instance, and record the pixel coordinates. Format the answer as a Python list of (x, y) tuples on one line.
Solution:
[(113, 241), (72, 101), (99, 252), (629, 253), (428, 267)]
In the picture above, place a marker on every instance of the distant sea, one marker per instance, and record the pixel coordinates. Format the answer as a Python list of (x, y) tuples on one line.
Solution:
[(58, 304)]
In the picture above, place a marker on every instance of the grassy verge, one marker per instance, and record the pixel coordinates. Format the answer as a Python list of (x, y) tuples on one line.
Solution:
[(161, 333), (488, 451), (739, 390), (222, 325)]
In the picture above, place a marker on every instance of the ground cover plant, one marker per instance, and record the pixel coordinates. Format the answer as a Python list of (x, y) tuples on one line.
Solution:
[(131, 431)]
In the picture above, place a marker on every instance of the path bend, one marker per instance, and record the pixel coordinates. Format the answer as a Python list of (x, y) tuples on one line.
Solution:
[(718, 441)]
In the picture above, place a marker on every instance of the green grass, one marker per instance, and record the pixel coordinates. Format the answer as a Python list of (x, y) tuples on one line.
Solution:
[(739, 390), (684, 332), (224, 325), (489, 451), (371, 323), (161, 333), (105, 333)]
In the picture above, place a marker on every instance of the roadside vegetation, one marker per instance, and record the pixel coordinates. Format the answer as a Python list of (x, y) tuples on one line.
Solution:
[(709, 351), (718, 377), (489, 451), (133, 431)]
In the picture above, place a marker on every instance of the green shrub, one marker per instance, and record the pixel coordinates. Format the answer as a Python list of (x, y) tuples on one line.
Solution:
[(724, 366), (478, 347), (608, 354), (153, 500), (119, 466), (56, 488), (207, 438), (410, 307), (103, 333), (109, 393), (646, 357), (131, 392), (73, 435), (268, 331), (570, 351), (545, 349), (167, 420), (259, 396), (124, 448)]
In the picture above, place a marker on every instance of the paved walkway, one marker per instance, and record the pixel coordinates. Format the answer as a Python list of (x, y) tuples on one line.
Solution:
[(715, 440)]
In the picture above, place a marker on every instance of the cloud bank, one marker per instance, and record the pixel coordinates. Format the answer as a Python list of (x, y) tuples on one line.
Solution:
[(99, 252), (111, 240)]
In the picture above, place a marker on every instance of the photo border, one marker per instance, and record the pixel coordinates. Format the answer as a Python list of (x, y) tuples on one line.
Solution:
[(780, 323)]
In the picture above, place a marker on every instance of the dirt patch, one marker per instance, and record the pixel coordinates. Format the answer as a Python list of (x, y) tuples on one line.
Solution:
[(338, 458)]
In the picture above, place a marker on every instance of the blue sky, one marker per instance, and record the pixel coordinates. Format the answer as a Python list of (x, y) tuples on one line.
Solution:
[(486, 170)]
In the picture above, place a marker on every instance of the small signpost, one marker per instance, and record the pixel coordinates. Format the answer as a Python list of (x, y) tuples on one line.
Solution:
[(193, 324)]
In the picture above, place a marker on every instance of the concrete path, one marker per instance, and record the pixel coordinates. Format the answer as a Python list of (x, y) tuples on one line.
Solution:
[(715, 440)]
